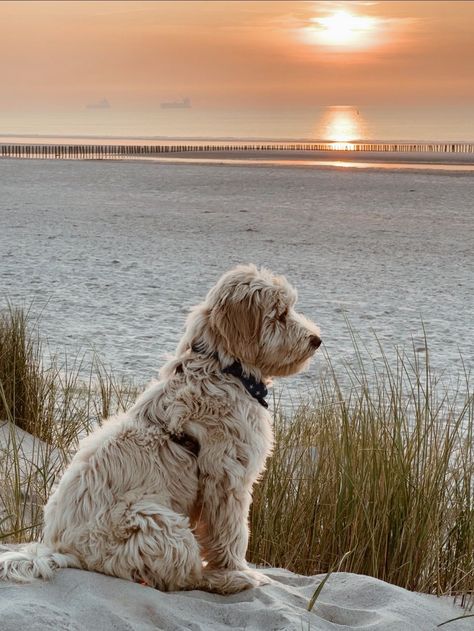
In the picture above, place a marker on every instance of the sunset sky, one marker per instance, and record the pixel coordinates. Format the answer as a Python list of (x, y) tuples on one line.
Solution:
[(60, 55)]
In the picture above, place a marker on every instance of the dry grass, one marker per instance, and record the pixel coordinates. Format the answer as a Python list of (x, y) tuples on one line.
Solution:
[(381, 470), (377, 474), (44, 410)]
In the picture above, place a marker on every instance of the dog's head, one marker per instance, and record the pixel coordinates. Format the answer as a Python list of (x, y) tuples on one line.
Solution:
[(251, 315)]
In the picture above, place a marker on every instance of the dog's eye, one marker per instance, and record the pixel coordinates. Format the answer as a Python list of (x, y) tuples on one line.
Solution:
[(282, 316)]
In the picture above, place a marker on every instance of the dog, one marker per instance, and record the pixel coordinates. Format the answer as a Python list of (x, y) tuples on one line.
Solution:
[(160, 494)]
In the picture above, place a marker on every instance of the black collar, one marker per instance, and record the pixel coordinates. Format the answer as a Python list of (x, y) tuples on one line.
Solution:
[(257, 389)]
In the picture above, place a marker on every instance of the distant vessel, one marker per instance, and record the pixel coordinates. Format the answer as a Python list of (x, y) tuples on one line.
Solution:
[(100, 105), (176, 105)]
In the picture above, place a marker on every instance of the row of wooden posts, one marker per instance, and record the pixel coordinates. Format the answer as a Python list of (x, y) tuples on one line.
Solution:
[(98, 152)]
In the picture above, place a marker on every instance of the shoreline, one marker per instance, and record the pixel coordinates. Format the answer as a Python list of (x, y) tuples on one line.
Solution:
[(333, 155), (446, 163), (361, 163)]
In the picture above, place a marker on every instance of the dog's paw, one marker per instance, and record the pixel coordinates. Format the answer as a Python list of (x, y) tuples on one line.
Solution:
[(258, 578), (232, 581)]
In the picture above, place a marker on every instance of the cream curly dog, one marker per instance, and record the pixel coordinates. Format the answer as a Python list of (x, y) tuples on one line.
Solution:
[(157, 490)]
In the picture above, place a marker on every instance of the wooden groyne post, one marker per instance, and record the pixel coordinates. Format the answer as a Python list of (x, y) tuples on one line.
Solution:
[(111, 152)]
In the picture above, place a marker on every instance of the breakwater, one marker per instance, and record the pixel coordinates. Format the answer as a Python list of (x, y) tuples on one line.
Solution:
[(108, 152)]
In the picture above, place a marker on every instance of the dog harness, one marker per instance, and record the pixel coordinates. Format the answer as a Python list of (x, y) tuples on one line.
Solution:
[(185, 440), (188, 442)]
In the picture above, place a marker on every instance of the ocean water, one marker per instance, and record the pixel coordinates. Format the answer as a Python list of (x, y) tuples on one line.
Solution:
[(113, 254), (340, 123)]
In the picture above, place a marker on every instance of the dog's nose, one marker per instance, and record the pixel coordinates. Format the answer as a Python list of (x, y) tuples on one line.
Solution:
[(315, 341)]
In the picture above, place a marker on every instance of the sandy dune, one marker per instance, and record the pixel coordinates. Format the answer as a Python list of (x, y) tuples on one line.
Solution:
[(78, 600)]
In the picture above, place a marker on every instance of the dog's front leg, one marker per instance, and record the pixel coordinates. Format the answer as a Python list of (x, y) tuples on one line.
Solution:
[(223, 524), (224, 516)]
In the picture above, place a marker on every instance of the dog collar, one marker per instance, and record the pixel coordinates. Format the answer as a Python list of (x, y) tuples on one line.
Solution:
[(257, 389)]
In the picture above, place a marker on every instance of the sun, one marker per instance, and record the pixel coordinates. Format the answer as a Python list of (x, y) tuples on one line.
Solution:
[(341, 29)]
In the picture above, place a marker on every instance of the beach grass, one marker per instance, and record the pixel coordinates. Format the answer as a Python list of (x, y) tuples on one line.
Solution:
[(379, 469), (46, 406), (373, 474)]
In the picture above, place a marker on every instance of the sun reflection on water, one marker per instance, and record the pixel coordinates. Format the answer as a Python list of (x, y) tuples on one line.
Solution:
[(341, 125)]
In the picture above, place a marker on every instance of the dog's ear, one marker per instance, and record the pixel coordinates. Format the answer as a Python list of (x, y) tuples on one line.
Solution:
[(237, 319)]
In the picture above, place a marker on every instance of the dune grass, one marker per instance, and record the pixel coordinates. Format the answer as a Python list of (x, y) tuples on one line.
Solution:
[(374, 475), (45, 407), (380, 470)]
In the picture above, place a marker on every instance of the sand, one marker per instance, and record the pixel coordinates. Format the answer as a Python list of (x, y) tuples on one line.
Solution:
[(26, 474), (118, 254), (30, 448), (77, 600)]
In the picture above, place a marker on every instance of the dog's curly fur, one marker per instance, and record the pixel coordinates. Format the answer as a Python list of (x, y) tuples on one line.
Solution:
[(136, 504)]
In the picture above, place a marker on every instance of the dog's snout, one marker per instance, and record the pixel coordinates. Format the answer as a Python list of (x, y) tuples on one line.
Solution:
[(315, 341)]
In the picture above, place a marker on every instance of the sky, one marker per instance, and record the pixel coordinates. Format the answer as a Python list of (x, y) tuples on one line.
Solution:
[(60, 55)]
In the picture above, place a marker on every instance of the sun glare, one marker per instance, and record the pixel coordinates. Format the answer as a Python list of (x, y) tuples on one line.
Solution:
[(340, 29), (341, 124)]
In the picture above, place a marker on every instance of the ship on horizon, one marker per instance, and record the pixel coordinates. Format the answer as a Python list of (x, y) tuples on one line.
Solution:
[(176, 105), (100, 105)]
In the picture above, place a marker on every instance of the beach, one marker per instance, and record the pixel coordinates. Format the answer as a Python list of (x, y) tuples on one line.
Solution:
[(111, 255), (85, 601)]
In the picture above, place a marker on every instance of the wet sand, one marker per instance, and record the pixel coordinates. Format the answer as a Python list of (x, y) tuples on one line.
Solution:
[(339, 155), (334, 159), (114, 253)]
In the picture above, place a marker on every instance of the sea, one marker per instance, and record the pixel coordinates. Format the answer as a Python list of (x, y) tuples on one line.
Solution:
[(338, 123)]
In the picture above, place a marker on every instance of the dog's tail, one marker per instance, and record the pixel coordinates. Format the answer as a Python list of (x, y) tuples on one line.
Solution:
[(35, 560)]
